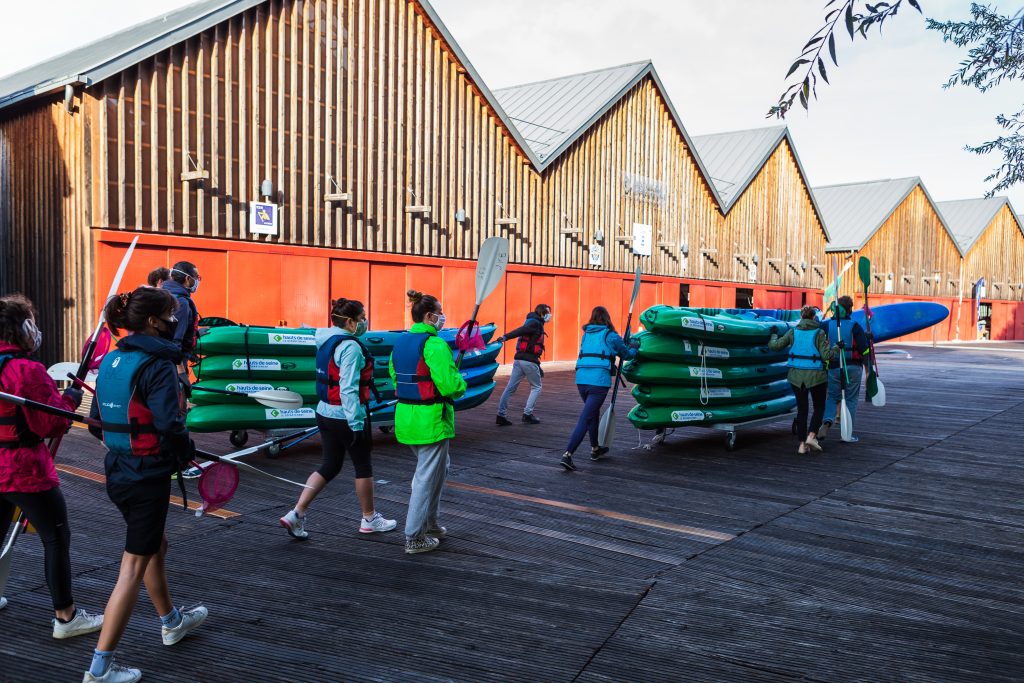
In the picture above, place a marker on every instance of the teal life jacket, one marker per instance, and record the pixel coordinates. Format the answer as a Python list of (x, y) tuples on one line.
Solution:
[(126, 421), (803, 355), (595, 352), (846, 330)]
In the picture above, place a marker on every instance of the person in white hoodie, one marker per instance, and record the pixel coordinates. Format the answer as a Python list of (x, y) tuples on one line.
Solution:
[(344, 375)]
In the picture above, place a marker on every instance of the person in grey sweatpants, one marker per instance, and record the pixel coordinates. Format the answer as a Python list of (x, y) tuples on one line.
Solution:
[(432, 463), (529, 349)]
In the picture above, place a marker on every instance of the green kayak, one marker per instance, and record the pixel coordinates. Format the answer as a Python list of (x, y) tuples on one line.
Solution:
[(717, 324), (653, 417), (660, 372), (270, 341), (676, 349), (257, 368), (307, 388), (230, 417), (667, 395)]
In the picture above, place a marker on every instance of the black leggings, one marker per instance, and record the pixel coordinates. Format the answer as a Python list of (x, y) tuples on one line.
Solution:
[(335, 437), (48, 513), (817, 394)]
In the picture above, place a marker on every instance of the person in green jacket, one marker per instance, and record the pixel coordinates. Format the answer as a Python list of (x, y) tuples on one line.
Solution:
[(427, 382), (809, 353)]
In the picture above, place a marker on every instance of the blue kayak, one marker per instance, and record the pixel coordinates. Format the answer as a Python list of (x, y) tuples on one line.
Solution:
[(480, 374), (472, 359), (888, 321)]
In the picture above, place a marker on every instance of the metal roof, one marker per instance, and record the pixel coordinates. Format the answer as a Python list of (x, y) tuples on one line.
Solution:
[(968, 218), (734, 158), (855, 211), (114, 53), (553, 114)]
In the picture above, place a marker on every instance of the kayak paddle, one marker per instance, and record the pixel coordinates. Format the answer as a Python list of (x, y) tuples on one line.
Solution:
[(490, 266), (845, 419), (875, 390), (281, 399), (606, 428)]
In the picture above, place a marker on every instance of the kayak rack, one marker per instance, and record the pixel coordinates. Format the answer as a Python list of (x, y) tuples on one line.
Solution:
[(730, 428)]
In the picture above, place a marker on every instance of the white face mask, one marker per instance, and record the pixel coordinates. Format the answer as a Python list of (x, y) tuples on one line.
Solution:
[(439, 321), (547, 317), (195, 280), (32, 333)]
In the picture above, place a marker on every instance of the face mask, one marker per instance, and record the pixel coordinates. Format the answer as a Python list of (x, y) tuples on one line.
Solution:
[(166, 329), (361, 327), (32, 333), (439, 322), (547, 317), (195, 280)]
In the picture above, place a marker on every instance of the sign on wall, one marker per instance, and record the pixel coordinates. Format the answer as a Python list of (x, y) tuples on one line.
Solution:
[(641, 187), (642, 237), (263, 218), (596, 255)]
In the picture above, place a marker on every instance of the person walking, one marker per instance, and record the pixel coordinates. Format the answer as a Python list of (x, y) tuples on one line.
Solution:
[(183, 283), (28, 478), (856, 347), (427, 382), (140, 409), (344, 385), (595, 371), (809, 351), (526, 364)]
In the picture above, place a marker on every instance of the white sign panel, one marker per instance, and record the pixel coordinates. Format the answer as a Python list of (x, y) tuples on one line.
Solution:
[(263, 218), (752, 272), (888, 285), (642, 238), (596, 255)]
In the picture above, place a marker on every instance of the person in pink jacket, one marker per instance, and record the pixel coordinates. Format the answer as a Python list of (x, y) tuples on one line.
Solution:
[(28, 479)]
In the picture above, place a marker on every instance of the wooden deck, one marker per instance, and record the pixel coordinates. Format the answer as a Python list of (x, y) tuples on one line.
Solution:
[(896, 559)]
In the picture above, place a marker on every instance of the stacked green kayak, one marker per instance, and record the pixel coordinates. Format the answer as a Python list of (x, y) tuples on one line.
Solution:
[(702, 366), (250, 359)]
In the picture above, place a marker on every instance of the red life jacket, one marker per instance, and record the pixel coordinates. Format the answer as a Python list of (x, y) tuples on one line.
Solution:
[(14, 431), (532, 344), (328, 374)]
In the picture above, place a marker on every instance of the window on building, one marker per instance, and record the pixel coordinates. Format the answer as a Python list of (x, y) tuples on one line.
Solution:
[(684, 295), (744, 298)]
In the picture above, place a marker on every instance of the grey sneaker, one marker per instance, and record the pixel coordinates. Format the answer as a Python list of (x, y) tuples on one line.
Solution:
[(82, 623), (436, 531), (566, 462), (3, 602), (421, 545), (376, 523), (823, 430), (191, 619), (115, 674), (294, 525)]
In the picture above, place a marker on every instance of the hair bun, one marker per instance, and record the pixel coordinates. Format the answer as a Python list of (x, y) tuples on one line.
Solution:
[(414, 296)]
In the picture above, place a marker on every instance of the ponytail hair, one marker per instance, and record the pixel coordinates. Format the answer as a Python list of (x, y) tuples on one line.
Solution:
[(346, 308), (15, 309), (130, 310), (808, 313), (422, 304)]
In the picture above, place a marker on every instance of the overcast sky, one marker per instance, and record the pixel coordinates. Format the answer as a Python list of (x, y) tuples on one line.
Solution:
[(884, 116)]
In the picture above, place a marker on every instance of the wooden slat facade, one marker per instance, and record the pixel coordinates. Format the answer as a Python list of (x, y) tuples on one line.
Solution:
[(998, 255)]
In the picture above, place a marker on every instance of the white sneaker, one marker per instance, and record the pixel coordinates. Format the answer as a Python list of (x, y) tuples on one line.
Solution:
[(3, 602), (191, 619), (115, 674), (295, 525), (82, 623), (378, 523)]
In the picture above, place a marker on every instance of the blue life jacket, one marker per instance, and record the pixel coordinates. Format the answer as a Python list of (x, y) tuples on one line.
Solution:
[(328, 374), (126, 421), (413, 384), (595, 352), (846, 330), (14, 431), (803, 355)]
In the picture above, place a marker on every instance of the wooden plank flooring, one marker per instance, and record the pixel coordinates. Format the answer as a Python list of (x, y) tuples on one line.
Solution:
[(895, 559)]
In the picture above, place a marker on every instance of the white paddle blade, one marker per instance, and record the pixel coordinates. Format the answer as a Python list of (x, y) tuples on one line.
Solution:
[(59, 371), (636, 289), (878, 399), (490, 266), (846, 422), (606, 428), (278, 398)]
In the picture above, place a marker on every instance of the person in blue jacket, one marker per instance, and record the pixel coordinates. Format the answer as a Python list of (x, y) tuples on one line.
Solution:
[(141, 415), (595, 371), (183, 283), (856, 348)]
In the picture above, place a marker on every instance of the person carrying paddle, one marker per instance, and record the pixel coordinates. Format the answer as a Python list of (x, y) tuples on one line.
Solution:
[(344, 385), (595, 369), (856, 347), (427, 382), (529, 349), (28, 478), (809, 351), (142, 423)]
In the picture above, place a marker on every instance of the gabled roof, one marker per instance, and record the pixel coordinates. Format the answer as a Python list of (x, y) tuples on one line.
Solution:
[(112, 54), (968, 218), (855, 211), (553, 114)]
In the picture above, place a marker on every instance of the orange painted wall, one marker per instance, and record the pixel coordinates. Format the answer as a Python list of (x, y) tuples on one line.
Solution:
[(259, 283)]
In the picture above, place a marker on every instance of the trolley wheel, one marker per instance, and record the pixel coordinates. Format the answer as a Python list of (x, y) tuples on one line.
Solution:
[(385, 430), (274, 452), (794, 426), (239, 437), (730, 441)]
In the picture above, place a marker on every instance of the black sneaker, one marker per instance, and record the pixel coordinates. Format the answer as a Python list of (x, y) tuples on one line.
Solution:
[(530, 420), (567, 463), (598, 453), (502, 421)]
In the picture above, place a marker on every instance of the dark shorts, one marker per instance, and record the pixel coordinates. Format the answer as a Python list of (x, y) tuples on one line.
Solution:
[(144, 508), (335, 437)]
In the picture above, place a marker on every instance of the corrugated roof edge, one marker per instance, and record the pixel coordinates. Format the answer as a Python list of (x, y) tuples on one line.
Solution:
[(918, 183), (116, 63), (995, 211)]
